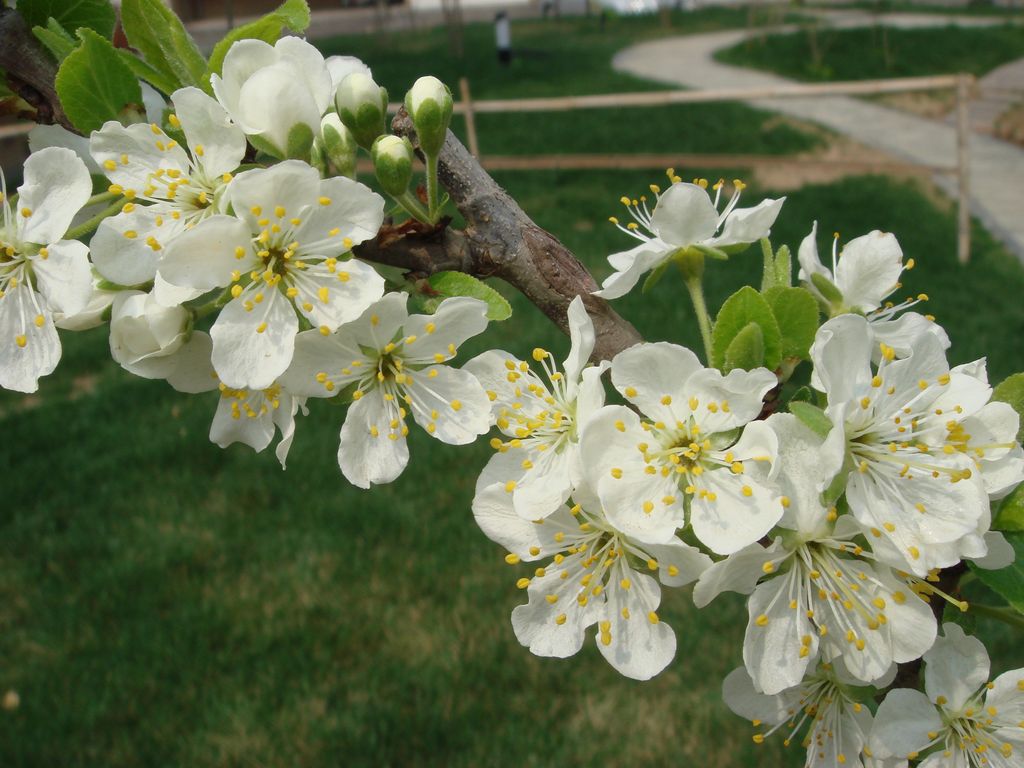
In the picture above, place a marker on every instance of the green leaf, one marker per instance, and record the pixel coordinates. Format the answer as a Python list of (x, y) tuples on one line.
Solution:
[(1008, 582), (445, 284), (97, 15), (56, 39), (783, 266), (812, 417), (1011, 512), (1011, 391), (796, 312), (743, 307), (94, 84), (746, 350), (293, 14), (156, 33), (143, 71)]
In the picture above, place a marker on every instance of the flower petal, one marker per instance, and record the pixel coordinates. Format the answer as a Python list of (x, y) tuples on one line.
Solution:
[(684, 215), (868, 270), (131, 154), (646, 374), (64, 277), (29, 345), (630, 265), (254, 428), (442, 333), (57, 185), (581, 335), (540, 626), (780, 640), (122, 250), (217, 144), (635, 641), (193, 372), (345, 209), (270, 105), (902, 724), (747, 225), (252, 348), (205, 256), (955, 668), (257, 194), (332, 294), (366, 453), (450, 404), (739, 572)]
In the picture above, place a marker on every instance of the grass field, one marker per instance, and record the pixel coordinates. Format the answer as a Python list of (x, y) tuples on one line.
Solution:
[(878, 52), (164, 602)]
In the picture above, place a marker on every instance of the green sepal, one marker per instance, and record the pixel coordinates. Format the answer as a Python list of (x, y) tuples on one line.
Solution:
[(746, 350), (718, 254), (56, 39), (1010, 516), (94, 85), (826, 288), (1011, 391), (157, 33), (812, 417), (1008, 582), (803, 395), (796, 311), (264, 146), (654, 277), (442, 285), (293, 14), (300, 142), (743, 307), (97, 15)]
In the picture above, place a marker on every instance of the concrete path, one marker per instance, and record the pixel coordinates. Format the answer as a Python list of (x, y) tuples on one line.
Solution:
[(996, 167)]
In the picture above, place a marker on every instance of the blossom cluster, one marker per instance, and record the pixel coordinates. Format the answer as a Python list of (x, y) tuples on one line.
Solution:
[(222, 253)]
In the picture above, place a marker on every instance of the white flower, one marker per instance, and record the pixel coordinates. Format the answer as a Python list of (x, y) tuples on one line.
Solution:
[(40, 272), (684, 217), (820, 595), (243, 415), (837, 724), (341, 67), (542, 420), (275, 92), (185, 184), (598, 575), (689, 460), (281, 256), (863, 274), (393, 363), (914, 485), (961, 720), (95, 312), (144, 334)]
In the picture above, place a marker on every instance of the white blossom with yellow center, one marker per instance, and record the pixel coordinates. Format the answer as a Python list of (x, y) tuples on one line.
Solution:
[(282, 254), (820, 594), (691, 460), (914, 474), (597, 575), (170, 187), (393, 363), (864, 273), (834, 725), (684, 216), (960, 721), (539, 462), (40, 272)]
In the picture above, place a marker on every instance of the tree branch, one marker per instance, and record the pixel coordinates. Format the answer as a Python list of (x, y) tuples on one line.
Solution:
[(31, 71), (500, 240)]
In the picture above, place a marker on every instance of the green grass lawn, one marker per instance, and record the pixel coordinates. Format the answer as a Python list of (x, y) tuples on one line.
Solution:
[(875, 52), (164, 602)]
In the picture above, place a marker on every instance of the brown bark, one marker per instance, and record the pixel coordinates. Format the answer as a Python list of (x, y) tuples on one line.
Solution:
[(30, 69), (500, 240)]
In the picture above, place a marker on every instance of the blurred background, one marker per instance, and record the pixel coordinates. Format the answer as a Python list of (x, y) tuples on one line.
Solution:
[(164, 602)]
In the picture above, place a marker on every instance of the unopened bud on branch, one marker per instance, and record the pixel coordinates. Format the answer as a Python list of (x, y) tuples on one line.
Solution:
[(392, 162), (429, 104), (338, 145), (362, 107)]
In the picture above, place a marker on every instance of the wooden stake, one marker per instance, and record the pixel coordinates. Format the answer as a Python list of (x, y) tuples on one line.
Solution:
[(467, 110), (963, 169)]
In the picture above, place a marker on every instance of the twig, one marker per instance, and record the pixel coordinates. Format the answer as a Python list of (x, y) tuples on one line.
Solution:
[(30, 69)]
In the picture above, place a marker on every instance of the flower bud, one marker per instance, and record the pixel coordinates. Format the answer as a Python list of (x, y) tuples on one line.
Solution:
[(392, 162), (145, 334), (429, 104), (362, 107), (338, 145)]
